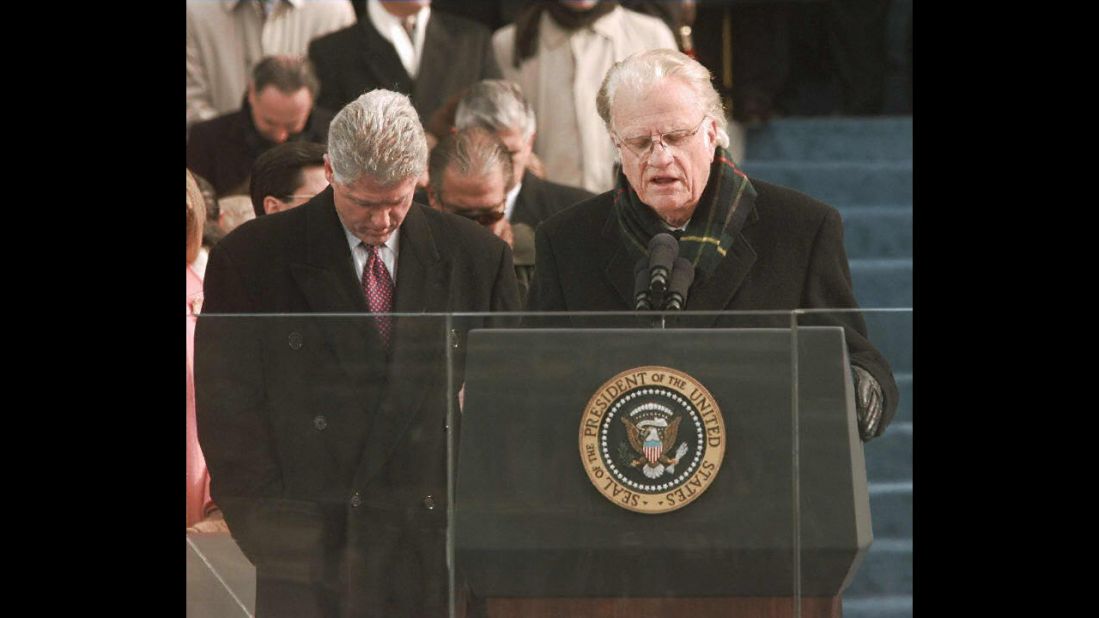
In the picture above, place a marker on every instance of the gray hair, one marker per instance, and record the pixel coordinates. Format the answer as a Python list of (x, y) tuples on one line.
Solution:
[(643, 69), (378, 134), (474, 151), (496, 104)]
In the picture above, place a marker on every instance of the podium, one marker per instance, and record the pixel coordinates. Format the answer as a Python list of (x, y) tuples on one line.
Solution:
[(785, 521)]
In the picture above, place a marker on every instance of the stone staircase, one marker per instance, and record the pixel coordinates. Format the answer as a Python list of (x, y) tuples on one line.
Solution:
[(863, 167)]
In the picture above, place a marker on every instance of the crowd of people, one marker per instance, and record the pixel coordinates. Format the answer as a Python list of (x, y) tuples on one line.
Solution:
[(387, 157)]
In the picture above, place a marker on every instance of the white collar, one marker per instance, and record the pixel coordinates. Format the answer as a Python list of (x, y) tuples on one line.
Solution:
[(553, 35), (392, 30), (509, 203), (353, 241)]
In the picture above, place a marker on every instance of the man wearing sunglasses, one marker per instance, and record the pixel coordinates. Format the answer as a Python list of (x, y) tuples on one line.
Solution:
[(500, 106), (754, 246), (470, 175)]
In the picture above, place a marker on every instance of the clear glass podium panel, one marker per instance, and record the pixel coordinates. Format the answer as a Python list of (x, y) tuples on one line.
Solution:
[(627, 463), (854, 472), (522, 464)]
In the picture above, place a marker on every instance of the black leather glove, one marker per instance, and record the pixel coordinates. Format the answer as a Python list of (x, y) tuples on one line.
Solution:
[(868, 402)]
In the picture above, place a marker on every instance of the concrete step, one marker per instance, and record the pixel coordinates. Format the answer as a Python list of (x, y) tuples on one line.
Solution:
[(877, 231), (891, 510), (881, 283), (891, 333), (827, 139), (904, 408), (889, 456), (887, 606), (840, 182), (886, 570)]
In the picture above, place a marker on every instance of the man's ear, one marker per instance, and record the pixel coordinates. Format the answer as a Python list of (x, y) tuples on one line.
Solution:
[(271, 204), (328, 175), (432, 199)]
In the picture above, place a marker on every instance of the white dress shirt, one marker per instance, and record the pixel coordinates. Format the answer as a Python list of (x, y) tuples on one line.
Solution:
[(509, 204), (391, 29), (388, 252), (226, 39)]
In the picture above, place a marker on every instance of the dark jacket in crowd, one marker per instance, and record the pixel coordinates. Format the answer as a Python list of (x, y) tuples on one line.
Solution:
[(223, 149), (350, 62)]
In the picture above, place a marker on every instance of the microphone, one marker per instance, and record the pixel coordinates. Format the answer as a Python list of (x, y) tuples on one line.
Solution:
[(683, 273), (642, 300), (663, 249)]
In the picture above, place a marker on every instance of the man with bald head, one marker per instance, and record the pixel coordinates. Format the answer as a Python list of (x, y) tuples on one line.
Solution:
[(278, 108), (753, 245), (326, 435)]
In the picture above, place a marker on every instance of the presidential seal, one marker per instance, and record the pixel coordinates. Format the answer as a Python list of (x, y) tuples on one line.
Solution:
[(652, 439)]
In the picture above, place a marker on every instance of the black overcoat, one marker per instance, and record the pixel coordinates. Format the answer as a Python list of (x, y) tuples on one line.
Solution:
[(350, 62), (539, 199), (327, 456), (788, 255)]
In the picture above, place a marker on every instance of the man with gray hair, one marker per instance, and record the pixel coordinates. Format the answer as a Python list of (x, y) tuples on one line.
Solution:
[(752, 245), (326, 436), (499, 105)]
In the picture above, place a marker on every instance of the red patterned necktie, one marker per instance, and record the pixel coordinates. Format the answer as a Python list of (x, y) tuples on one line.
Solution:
[(378, 288)]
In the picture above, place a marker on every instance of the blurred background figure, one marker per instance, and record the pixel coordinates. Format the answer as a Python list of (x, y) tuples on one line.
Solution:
[(499, 106), (776, 58), (235, 210), (471, 174), (558, 52), (226, 38), (405, 46), (278, 108), (202, 514), (211, 233), (287, 176)]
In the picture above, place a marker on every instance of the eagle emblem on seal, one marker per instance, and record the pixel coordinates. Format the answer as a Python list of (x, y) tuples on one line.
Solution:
[(653, 439)]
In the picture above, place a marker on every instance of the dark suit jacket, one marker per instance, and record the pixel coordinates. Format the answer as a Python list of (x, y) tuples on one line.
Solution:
[(539, 199), (223, 149), (788, 255), (328, 458), (350, 62)]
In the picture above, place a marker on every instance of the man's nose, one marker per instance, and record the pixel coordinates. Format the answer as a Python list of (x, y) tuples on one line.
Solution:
[(660, 154), (379, 218)]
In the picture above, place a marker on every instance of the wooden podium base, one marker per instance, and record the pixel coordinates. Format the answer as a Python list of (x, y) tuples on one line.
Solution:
[(703, 607)]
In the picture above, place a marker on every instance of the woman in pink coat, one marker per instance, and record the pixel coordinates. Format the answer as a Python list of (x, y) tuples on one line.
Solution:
[(202, 514)]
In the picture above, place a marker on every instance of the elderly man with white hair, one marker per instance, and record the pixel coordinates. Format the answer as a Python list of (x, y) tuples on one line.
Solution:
[(753, 246), (326, 436), (499, 105)]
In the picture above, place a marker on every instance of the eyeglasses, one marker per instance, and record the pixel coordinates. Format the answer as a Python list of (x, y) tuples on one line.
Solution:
[(643, 145), (484, 217)]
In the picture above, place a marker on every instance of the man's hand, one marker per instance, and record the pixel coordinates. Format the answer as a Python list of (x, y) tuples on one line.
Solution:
[(502, 229), (868, 402)]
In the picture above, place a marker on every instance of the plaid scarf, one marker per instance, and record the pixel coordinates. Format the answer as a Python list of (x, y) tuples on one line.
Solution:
[(721, 212)]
